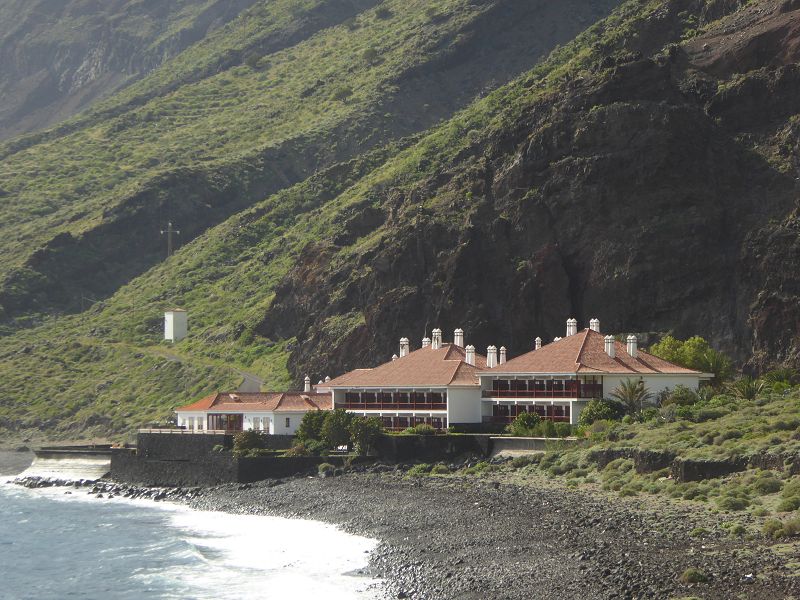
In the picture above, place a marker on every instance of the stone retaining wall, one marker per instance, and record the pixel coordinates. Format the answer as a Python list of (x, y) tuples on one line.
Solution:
[(430, 448)]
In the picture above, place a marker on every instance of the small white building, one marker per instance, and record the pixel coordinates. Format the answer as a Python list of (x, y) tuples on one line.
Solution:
[(175, 325), (436, 384), (558, 379), (273, 412)]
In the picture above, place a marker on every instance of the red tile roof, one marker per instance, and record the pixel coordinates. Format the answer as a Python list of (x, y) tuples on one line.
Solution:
[(261, 401), (425, 367), (585, 352)]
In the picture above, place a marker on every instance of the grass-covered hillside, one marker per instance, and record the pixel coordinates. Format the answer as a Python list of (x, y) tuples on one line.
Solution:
[(621, 178), (58, 58), (204, 136)]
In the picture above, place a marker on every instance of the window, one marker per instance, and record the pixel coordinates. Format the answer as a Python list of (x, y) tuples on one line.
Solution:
[(256, 423), (288, 422), (200, 423)]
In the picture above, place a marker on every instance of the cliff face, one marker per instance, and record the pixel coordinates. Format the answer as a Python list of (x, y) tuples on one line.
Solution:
[(237, 118), (651, 193), (59, 58)]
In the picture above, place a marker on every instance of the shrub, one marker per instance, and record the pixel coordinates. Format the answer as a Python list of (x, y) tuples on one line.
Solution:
[(218, 448), (699, 532), (299, 449), (247, 440), (736, 530), (601, 410), (792, 488), (681, 396), (364, 432), (547, 428), (419, 470), (421, 429), (524, 424), (316, 447), (342, 92), (733, 503), (252, 60), (383, 13), (370, 55), (440, 469), (310, 427), (563, 430), (767, 483), (326, 469), (335, 429), (775, 528), (788, 504), (692, 575), (519, 462)]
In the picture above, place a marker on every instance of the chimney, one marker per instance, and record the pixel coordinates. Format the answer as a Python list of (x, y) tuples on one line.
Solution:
[(426, 342), (458, 338), (572, 327), (633, 346), (470, 355), (403, 347), (327, 378), (502, 354), (537, 343), (491, 356), (594, 325), (307, 387), (394, 357), (611, 349), (436, 342)]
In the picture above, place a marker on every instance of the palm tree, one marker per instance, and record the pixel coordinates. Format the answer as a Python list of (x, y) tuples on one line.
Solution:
[(633, 395), (745, 388)]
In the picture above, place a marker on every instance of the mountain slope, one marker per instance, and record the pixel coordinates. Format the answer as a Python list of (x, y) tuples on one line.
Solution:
[(206, 136), (59, 58), (645, 174)]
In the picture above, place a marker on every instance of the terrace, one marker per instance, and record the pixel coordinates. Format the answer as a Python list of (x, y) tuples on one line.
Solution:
[(405, 401), (544, 388)]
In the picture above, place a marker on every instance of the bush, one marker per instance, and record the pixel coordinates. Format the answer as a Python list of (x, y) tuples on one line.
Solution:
[(692, 575), (335, 430), (364, 432), (520, 462), (788, 504), (775, 528), (736, 530), (247, 440), (326, 469), (440, 469), (601, 410), (767, 483), (421, 429), (680, 396), (299, 449), (733, 503), (310, 427), (419, 470), (547, 428), (524, 424), (218, 448), (383, 13), (370, 55), (563, 430), (342, 92)]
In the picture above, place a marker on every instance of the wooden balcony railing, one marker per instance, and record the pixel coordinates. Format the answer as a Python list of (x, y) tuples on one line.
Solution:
[(574, 390), (404, 406)]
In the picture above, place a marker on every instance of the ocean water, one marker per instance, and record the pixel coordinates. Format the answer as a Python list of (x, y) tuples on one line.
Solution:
[(59, 546)]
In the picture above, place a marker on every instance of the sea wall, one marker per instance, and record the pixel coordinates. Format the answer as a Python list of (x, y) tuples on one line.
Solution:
[(524, 444), (428, 448)]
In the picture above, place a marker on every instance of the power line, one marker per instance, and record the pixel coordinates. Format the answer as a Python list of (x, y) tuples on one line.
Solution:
[(169, 232)]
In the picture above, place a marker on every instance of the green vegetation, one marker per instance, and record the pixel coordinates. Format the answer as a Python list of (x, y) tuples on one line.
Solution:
[(692, 575), (694, 353), (421, 429)]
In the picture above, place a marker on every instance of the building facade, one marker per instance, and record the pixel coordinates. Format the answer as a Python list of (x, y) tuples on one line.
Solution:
[(558, 379), (276, 413), (437, 385)]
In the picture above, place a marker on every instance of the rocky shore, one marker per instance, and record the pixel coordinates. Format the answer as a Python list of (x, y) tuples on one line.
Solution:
[(487, 538)]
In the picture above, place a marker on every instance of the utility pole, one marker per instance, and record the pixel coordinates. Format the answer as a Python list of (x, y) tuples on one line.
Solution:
[(169, 231)]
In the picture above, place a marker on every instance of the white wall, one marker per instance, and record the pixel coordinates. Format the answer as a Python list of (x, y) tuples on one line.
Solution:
[(655, 383), (463, 405), (175, 325), (279, 423)]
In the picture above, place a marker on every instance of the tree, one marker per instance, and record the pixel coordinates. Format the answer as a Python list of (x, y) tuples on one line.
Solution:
[(364, 431), (694, 353), (633, 395), (335, 430), (601, 410), (524, 424), (310, 427)]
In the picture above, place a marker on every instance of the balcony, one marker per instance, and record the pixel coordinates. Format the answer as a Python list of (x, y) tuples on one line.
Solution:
[(546, 389), (397, 406), (505, 420)]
